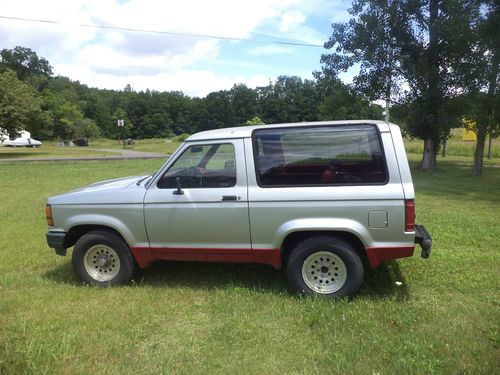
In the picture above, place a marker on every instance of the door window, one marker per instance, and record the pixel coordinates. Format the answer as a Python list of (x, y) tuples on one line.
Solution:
[(202, 166)]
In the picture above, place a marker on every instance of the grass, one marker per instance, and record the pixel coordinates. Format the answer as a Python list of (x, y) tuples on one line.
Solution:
[(225, 318), (49, 151), (97, 147), (455, 146), (160, 145)]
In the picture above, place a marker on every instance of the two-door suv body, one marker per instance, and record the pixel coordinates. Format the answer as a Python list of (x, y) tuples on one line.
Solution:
[(314, 198)]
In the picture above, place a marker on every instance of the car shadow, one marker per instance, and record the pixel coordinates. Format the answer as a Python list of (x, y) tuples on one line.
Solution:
[(386, 281)]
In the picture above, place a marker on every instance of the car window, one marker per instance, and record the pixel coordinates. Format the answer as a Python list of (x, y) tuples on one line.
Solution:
[(315, 156), (202, 166)]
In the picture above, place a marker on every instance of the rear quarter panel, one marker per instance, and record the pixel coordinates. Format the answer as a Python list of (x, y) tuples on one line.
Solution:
[(276, 212)]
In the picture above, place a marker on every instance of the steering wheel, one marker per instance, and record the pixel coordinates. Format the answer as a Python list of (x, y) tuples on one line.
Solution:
[(196, 175)]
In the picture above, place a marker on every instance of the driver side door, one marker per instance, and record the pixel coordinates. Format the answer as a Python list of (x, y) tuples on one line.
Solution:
[(199, 206)]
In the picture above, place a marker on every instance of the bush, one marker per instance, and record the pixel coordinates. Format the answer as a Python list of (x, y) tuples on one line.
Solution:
[(181, 137)]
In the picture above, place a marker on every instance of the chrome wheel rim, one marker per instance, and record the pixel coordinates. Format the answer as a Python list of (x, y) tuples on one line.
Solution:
[(102, 263), (324, 272)]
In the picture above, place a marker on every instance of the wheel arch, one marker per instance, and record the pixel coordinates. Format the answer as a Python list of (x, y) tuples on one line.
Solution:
[(78, 231), (292, 239)]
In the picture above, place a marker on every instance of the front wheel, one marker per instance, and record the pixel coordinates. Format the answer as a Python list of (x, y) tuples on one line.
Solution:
[(102, 258), (326, 266)]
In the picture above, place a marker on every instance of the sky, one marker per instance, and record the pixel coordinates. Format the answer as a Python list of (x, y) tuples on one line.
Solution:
[(195, 65)]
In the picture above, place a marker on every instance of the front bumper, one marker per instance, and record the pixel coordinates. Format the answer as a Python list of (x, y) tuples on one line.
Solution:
[(423, 238), (57, 240)]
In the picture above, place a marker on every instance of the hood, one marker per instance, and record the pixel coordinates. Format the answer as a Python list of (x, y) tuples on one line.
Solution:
[(116, 191), (115, 183)]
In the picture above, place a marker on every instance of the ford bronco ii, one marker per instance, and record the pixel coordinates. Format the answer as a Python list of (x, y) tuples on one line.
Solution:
[(311, 198)]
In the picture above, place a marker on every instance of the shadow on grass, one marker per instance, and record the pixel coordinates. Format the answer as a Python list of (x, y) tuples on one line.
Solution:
[(385, 281), (378, 283), (21, 154)]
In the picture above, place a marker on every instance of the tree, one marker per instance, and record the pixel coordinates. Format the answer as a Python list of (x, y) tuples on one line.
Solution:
[(372, 39), (428, 43), (289, 99), (485, 91), (341, 102), (28, 66), (220, 110), (244, 103), (254, 121), (19, 106)]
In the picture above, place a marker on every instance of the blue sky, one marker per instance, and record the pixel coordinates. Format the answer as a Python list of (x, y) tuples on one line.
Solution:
[(195, 65)]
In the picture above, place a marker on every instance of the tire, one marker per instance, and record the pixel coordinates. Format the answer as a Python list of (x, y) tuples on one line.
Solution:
[(103, 259), (325, 266)]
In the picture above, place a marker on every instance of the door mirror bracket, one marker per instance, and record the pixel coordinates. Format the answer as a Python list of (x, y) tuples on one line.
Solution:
[(179, 190)]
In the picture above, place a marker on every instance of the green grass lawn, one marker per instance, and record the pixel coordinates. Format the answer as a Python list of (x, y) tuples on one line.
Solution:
[(240, 319), (97, 147), (49, 150), (160, 145)]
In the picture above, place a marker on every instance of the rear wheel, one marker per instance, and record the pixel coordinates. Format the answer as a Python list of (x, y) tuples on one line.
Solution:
[(103, 259), (326, 266)]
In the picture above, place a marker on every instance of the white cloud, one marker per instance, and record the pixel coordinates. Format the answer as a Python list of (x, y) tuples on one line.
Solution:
[(290, 19), (109, 58), (191, 82)]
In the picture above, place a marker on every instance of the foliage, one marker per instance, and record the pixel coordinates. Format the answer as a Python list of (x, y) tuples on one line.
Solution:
[(372, 38), (484, 90), (19, 107), (181, 137), (341, 102), (423, 45), (25, 63), (255, 121)]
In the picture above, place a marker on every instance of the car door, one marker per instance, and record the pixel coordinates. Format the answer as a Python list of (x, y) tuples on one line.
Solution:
[(199, 204)]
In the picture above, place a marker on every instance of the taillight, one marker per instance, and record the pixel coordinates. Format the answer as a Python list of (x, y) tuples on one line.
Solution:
[(48, 215), (409, 215)]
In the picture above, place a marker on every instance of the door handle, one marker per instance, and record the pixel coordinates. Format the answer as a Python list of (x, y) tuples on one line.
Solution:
[(227, 198)]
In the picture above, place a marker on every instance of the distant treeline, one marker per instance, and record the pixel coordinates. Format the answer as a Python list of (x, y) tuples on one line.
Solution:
[(66, 109)]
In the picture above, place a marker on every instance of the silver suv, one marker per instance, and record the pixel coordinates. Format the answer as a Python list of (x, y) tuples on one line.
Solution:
[(313, 198)]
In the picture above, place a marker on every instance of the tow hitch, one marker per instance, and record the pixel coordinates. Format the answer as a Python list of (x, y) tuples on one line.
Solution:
[(424, 240)]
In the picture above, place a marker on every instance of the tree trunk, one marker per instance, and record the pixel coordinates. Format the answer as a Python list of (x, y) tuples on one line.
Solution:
[(386, 110), (388, 86), (482, 128), (434, 93), (429, 157), (490, 141), (477, 168)]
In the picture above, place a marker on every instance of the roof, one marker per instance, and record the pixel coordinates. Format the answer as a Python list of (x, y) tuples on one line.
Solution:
[(246, 131)]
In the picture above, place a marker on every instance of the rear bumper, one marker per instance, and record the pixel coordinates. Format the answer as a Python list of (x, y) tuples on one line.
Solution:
[(56, 240), (379, 254), (423, 238)]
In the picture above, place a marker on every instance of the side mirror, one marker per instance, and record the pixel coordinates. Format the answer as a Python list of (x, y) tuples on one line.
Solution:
[(179, 187)]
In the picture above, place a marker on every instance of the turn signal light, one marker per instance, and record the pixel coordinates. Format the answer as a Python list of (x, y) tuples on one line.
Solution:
[(48, 215), (409, 215)]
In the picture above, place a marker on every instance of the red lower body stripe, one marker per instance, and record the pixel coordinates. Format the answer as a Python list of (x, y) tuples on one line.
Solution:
[(378, 254), (144, 256)]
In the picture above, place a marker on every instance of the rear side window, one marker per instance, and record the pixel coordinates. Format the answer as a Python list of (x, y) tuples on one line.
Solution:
[(316, 156)]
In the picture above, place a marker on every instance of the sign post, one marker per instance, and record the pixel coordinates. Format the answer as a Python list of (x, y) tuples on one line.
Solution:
[(121, 124)]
